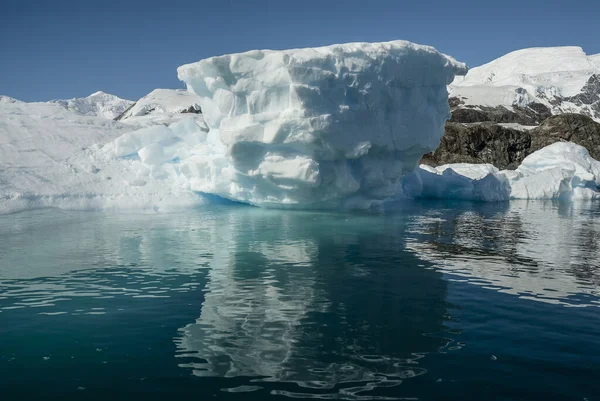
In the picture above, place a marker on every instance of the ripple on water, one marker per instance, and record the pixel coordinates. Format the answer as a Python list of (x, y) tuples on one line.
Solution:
[(303, 305)]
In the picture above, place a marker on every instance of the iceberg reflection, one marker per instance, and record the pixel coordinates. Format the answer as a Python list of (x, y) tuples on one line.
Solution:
[(330, 303)]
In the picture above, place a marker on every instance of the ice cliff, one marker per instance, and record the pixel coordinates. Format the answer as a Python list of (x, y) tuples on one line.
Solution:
[(322, 127)]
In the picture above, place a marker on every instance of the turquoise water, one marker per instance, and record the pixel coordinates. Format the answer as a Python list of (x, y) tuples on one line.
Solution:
[(428, 301)]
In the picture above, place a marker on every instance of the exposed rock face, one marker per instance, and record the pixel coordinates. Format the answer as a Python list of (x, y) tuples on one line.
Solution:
[(533, 114), (576, 128), (505, 148), (480, 143), (195, 109)]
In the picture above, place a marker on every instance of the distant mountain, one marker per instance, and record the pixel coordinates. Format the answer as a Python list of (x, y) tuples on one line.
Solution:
[(510, 107), (161, 101), (8, 99), (163, 106), (554, 79), (98, 104)]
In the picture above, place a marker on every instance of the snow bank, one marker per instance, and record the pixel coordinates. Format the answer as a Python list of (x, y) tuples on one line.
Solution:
[(49, 158), (323, 127), (561, 171)]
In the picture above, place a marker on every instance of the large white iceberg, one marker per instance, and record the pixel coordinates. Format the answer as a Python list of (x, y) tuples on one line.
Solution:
[(321, 127), (561, 171)]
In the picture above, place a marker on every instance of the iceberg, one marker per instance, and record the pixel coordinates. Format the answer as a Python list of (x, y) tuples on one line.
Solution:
[(328, 127), (561, 171)]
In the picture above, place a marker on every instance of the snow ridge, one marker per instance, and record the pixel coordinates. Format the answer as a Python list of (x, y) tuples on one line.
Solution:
[(564, 79), (99, 104)]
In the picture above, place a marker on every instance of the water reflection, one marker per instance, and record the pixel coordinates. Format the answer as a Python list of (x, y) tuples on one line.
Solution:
[(49, 259), (542, 251), (330, 303), (322, 305)]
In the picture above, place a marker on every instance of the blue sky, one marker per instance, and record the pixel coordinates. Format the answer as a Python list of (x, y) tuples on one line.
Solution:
[(65, 48)]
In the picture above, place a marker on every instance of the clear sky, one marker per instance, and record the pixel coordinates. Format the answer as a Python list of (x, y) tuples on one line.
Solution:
[(65, 48)]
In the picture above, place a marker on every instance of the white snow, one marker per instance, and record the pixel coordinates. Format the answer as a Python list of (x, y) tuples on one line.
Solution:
[(321, 127), (163, 106), (561, 171), (8, 99), (595, 58), (99, 104), (517, 126), (542, 75), (49, 158)]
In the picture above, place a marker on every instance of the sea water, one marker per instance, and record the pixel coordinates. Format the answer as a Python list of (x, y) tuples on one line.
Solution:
[(423, 300)]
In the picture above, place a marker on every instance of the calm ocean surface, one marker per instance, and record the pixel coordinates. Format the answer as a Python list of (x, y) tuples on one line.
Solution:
[(427, 300)]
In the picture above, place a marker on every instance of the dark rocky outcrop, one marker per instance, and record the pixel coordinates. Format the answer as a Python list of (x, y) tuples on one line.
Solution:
[(124, 113), (480, 143), (195, 109), (576, 128), (589, 96), (506, 148), (534, 114)]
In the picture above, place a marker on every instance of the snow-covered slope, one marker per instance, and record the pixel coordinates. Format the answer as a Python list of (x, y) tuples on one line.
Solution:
[(595, 58), (161, 101), (8, 99), (97, 104), (163, 106), (49, 158), (564, 79)]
